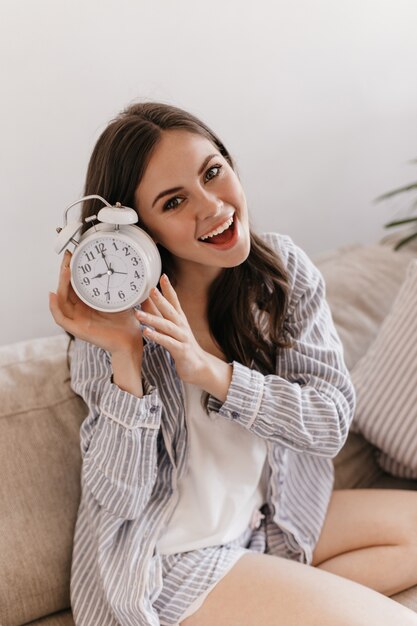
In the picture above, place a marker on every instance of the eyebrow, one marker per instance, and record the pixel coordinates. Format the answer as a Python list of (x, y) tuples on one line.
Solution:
[(175, 189)]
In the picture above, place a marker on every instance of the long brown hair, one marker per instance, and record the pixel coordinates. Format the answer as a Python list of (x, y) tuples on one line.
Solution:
[(239, 295)]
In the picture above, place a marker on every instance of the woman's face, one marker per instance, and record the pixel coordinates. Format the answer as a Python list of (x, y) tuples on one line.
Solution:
[(188, 191)]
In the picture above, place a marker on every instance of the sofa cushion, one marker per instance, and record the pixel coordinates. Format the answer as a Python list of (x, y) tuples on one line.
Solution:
[(40, 463), (361, 285), (385, 382)]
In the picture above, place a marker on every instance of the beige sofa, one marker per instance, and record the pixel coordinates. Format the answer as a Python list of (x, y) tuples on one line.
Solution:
[(39, 440)]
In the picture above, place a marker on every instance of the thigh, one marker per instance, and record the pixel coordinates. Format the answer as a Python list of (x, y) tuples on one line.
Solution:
[(271, 590), (360, 518)]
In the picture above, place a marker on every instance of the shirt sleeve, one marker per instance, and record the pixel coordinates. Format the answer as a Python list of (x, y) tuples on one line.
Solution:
[(118, 438), (307, 404)]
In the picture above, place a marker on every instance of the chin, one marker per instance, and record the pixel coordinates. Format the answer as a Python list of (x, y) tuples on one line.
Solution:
[(238, 257)]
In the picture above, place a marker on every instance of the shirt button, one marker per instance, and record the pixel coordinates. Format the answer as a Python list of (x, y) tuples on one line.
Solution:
[(235, 415), (153, 409)]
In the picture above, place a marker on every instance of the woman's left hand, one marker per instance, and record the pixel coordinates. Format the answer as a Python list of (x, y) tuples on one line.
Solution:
[(172, 331)]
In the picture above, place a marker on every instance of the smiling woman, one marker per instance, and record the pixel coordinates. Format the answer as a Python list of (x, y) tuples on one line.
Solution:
[(212, 423), (208, 194)]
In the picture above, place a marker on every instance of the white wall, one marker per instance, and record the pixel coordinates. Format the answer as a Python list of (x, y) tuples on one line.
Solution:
[(316, 99)]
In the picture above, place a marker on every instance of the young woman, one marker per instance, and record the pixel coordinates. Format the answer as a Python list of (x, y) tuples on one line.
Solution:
[(214, 413)]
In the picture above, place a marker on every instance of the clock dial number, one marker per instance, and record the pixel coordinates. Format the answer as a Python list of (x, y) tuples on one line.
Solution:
[(110, 273), (100, 247)]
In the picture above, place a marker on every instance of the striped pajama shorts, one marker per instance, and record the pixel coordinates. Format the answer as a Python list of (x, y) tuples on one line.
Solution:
[(188, 577)]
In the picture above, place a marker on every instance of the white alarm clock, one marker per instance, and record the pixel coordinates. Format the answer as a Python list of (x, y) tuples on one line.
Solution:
[(114, 264)]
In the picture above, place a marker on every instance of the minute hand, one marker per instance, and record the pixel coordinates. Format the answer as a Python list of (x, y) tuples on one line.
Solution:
[(105, 260), (114, 272)]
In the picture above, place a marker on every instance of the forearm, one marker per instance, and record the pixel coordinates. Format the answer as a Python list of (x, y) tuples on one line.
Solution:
[(127, 372), (301, 418)]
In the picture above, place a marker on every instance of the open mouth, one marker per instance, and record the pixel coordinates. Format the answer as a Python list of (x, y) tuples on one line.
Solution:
[(225, 236)]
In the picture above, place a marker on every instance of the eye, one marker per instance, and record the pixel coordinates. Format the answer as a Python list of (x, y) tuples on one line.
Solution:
[(173, 203), (213, 171)]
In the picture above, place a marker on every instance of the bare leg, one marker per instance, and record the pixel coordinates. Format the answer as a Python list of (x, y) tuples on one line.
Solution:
[(272, 591), (370, 536)]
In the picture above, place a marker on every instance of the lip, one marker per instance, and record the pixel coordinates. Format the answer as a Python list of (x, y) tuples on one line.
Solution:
[(218, 224), (228, 244)]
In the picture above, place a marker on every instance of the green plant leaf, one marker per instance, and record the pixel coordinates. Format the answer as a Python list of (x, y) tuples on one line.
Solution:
[(389, 194), (402, 243), (400, 222)]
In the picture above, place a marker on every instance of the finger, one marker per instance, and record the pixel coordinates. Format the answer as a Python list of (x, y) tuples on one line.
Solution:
[(64, 280), (169, 343), (149, 307), (60, 318), (67, 293), (164, 306), (72, 296), (162, 325), (170, 293)]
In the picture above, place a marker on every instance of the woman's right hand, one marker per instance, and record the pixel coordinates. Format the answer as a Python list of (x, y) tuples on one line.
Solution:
[(118, 333)]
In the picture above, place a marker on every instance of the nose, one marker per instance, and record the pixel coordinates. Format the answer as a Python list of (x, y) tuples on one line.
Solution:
[(208, 205)]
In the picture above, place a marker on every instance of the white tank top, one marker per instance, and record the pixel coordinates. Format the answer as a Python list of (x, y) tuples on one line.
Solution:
[(224, 486)]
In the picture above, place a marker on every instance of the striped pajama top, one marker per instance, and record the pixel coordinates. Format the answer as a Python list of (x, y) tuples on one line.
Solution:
[(134, 450)]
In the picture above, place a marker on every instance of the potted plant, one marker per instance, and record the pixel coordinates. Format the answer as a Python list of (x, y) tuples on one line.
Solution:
[(410, 221)]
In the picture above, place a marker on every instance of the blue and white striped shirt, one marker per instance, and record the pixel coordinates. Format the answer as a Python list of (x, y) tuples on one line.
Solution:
[(134, 450)]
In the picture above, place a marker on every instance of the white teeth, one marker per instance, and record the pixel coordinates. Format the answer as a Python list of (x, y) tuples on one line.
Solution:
[(218, 230)]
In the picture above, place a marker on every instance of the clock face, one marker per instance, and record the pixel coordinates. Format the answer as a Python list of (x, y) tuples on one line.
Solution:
[(108, 273)]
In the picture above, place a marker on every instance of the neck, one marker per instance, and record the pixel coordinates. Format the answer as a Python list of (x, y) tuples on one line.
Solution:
[(192, 286), (193, 300)]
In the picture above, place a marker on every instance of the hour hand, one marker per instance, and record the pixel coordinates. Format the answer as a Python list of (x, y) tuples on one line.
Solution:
[(99, 275)]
